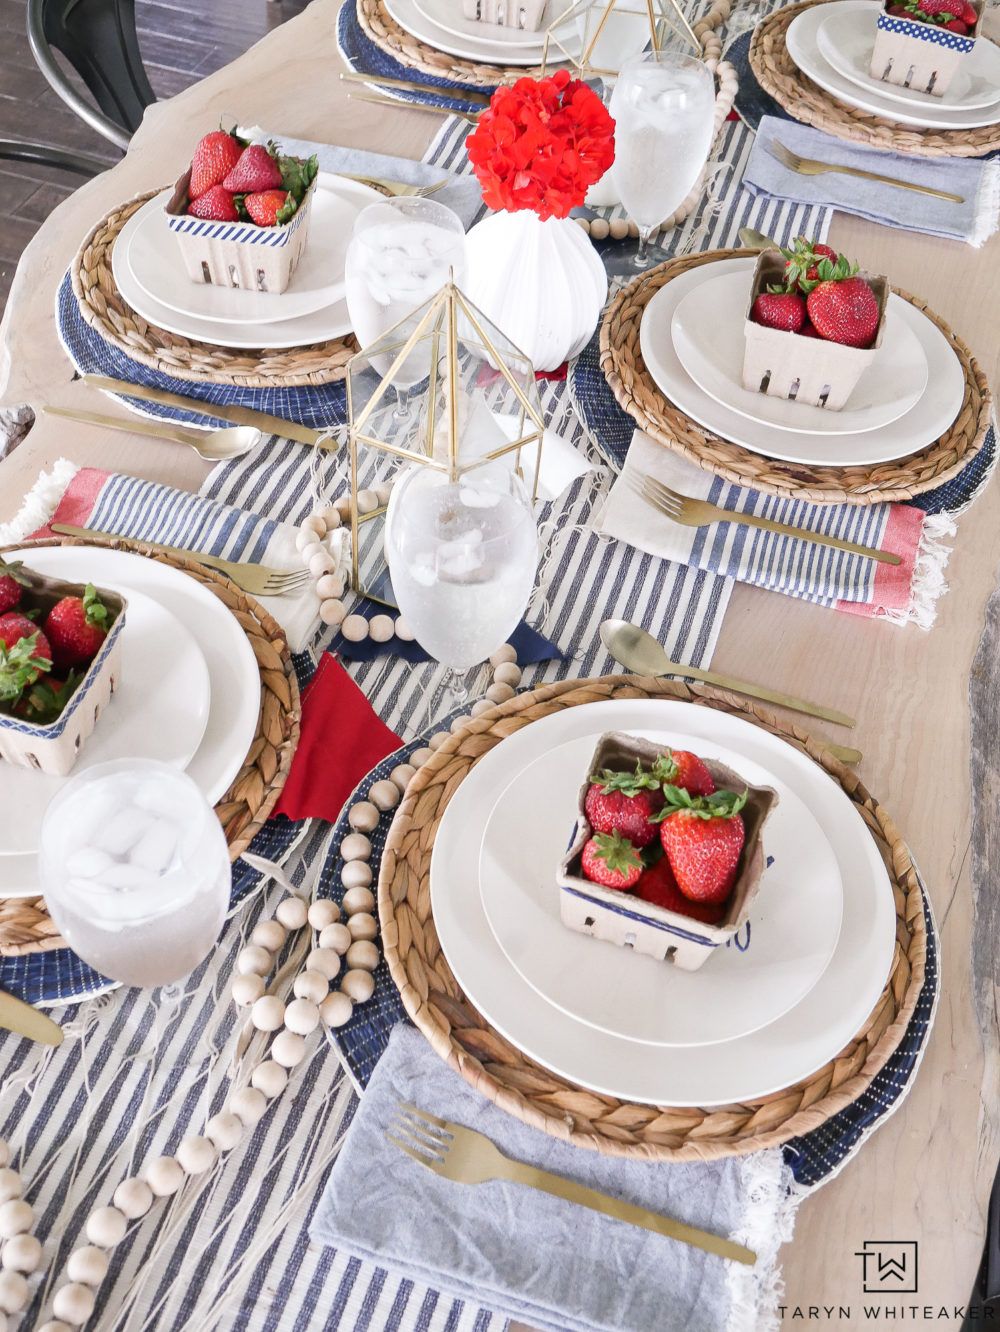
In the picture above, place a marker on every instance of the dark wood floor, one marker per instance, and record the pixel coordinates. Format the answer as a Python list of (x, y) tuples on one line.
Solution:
[(181, 42)]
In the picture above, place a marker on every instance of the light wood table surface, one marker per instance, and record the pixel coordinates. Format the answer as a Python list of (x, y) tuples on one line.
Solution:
[(925, 1175)]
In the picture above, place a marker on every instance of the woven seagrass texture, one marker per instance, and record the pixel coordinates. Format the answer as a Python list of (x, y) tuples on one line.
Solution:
[(463, 1037), (109, 314), (25, 924), (877, 483), (804, 100)]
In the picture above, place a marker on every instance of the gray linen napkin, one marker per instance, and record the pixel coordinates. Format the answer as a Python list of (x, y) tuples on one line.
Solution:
[(537, 1258), (978, 182)]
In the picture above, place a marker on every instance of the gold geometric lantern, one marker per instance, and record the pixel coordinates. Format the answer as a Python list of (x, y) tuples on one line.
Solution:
[(613, 30)]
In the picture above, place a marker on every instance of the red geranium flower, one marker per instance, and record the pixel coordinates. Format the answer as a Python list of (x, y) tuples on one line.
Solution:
[(541, 144)]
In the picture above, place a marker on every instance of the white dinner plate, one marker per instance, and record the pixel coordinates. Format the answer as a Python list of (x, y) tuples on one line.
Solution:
[(775, 959), (448, 16), (846, 39), (707, 333), (154, 259), (925, 422), (776, 1056), (159, 711), (802, 41), (488, 51)]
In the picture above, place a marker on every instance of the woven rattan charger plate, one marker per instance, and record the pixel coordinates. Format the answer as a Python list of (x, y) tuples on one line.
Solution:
[(899, 479), (110, 315), (25, 924), (778, 74), (460, 1034)]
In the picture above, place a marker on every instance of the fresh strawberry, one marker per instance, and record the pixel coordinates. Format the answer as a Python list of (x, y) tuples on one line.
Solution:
[(44, 700), (802, 262), (213, 159), (969, 15), (935, 7), (703, 837), (256, 170), (807, 330), (10, 586), (24, 655), (271, 208), (784, 310), (956, 25), (679, 767), (659, 886), (611, 861), (215, 204), (842, 306), (624, 802), (76, 628)]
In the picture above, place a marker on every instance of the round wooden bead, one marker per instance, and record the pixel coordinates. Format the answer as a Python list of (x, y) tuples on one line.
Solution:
[(311, 985), (22, 1253), (292, 912), (502, 654), (330, 586), (343, 507), (382, 491), (16, 1216), (249, 1104), (302, 1017), (618, 227), (314, 523), (74, 1303), (360, 898), (402, 630), (268, 1013), (13, 1291), (306, 541), (599, 228), (133, 1198), (106, 1226), (321, 562), (323, 912), (253, 960), (358, 985), (269, 1078), (53, 1325), (400, 776), (330, 516), (363, 926), (508, 673), (288, 1048), (363, 954), (380, 628), (336, 938), (499, 693), (10, 1184), (480, 706), (356, 874), (355, 628), (363, 816), (384, 794), (332, 612), (324, 960), (88, 1265), (4, 1152), (196, 1154), (164, 1175), (420, 756), (336, 1008), (225, 1130), (437, 740), (270, 934), (633, 230), (355, 846), (459, 724), (367, 501), (247, 989)]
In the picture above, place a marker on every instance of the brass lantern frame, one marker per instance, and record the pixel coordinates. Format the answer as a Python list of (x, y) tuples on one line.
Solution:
[(657, 14)]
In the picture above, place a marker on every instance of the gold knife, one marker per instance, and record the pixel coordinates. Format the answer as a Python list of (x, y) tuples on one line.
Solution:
[(454, 95), (274, 425), (19, 1017)]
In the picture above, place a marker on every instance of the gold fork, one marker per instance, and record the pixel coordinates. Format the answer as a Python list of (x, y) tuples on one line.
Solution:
[(257, 579), (467, 1157), (699, 513), (398, 188), (807, 166)]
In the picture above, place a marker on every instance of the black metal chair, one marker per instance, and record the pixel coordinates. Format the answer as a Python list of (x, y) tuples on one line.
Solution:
[(83, 164)]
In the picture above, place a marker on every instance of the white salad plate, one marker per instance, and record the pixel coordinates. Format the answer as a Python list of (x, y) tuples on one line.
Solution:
[(707, 333), (448, 16), (925, 422), (489, 50), (802, 41), (846, 39), (765, 1061), (771, 964), (159, 711)]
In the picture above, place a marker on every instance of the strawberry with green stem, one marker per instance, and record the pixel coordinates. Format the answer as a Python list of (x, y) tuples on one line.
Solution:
[(679, 767), (25, 654), (77, 627), (11, 585), (658, 886), (612, 861), (624, 802), (703, 837)]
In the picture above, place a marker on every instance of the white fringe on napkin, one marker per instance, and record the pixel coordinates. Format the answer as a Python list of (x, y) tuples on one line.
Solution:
[(928, 574), (987, 205), (766, 1183), (40, 503)]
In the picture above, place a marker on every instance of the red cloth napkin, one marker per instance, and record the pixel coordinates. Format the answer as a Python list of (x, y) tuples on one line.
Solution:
[(341, 740)]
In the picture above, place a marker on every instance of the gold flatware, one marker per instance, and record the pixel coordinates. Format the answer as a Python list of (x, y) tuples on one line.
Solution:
[(257, 579), (375, 100), (699, 513), (398, 188), (640, 652), (467, 1157), (212, 445), (807, 166), (19, 1017), (756, 240), (406, 85), (273, 425)]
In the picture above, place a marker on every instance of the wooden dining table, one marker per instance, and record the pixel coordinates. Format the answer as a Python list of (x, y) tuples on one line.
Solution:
[(925, 1175)]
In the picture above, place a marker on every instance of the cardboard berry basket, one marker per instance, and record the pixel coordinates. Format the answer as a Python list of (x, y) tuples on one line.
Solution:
[(917, 55), (238, 254), (54, 747), (789, 365), (623, 919)]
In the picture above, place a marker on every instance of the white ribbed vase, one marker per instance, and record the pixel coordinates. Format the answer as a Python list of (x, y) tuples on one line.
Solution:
[(541, 283)]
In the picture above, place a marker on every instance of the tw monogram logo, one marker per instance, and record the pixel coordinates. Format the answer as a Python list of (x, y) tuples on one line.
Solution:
[(890, 1266)]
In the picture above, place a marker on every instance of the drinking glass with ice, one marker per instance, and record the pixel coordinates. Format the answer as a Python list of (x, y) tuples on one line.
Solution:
[(135, 870)]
